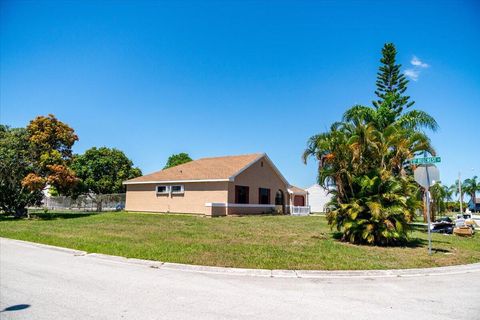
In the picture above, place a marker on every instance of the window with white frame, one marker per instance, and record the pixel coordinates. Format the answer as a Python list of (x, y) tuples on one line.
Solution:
[(162, 189), (176, 189)]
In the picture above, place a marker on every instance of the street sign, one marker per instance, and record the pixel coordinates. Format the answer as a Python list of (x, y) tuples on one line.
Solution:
[(426, 160), (426, 174)]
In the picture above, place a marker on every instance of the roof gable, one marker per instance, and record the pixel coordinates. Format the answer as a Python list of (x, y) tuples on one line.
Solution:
[(269, 161)]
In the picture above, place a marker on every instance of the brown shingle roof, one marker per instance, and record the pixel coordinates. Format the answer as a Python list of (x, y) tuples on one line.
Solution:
[(218, 168)]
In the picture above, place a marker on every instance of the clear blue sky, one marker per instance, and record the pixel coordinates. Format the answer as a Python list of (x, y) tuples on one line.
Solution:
[(154, 78)]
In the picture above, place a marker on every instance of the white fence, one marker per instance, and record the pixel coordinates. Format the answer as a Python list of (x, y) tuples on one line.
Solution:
[(103, 202), (299, 211)]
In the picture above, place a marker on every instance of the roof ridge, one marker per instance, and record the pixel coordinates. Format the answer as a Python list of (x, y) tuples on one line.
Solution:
[(223, 167), (232, 156)]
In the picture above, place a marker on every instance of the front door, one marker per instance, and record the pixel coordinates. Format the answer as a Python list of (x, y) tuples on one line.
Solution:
[(280, 201), (299, 201)]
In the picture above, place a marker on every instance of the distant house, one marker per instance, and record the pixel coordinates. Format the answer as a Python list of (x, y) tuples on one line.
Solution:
[(244, 184), (474, 207), (318, 197)]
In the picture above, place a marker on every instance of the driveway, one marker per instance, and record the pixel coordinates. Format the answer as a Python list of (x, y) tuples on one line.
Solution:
[(46, 283)]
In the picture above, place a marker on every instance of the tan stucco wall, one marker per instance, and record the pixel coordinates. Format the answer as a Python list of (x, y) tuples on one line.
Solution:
[(143, 197), (256, 177)]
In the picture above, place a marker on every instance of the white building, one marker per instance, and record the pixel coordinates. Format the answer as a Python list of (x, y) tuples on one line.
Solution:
[(318, 197)]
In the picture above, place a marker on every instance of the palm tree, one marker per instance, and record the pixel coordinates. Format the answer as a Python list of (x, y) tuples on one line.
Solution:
[(364, 156), (374, 198), (439, 195), (334, 158), (383, 116), (402, 144), (450, 191), (471, 186), (379, 213), (455, 187)]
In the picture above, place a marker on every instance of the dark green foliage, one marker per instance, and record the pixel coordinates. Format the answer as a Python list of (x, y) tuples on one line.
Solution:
[(374, 197), (440, 195), (15, 164), (102, 171), (471, 186), (378, 212), (177, 159), (364, 156), (391, 84)]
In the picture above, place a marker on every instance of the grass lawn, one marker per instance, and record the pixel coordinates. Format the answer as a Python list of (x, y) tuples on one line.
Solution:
[(272, 242)]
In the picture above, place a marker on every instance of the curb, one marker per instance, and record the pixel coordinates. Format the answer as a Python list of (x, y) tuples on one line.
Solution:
[(47, 246), (275, 273)]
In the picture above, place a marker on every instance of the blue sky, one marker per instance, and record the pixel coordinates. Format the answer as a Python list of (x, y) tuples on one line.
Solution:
[(220, 78)]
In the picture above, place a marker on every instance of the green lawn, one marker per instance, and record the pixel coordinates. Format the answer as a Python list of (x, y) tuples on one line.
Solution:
[(273, 242)]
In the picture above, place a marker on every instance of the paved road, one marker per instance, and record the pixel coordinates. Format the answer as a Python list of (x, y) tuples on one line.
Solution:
[(42, 283)]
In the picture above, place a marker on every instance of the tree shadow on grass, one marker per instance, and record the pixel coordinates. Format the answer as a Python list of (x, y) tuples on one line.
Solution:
[(410, 243), (337, 235), (415, 243), (48, 216), (62, 215)]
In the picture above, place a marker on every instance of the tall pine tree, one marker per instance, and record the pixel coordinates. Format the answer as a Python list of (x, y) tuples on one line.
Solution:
[(391, 84), (392, 104)]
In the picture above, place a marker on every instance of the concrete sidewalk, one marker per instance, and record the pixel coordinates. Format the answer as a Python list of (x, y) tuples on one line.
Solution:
[(56, 283)]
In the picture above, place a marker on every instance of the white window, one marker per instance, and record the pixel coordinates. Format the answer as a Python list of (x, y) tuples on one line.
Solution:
[(176, 189), (162, 189)]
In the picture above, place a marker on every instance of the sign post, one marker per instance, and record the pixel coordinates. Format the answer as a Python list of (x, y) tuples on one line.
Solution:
[(425, 175), (460, 192), (429, 223)]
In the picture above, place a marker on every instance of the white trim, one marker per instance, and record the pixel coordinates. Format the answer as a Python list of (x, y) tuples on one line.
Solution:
[(216, 204), (182, 189), (304, 192), (238, 205), (167, 189), (299, 210), (175, 181)]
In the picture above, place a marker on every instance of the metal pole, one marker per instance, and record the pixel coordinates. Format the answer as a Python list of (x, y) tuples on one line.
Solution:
[(428, 219), (460, 192), (428, 208)]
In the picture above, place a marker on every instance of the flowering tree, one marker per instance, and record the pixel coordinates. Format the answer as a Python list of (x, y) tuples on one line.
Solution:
[(50, 146)]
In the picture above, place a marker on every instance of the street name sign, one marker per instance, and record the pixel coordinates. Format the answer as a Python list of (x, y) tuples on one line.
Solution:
[(426, 160)]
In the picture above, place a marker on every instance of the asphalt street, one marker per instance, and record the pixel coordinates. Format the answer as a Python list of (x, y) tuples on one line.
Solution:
[(45, 283)]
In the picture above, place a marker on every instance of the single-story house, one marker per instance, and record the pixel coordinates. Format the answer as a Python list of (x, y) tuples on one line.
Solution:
[(318, 198), (474, 204), (231, 185)]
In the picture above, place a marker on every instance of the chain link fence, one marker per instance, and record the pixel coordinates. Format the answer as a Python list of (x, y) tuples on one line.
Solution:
[(102, 202)]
